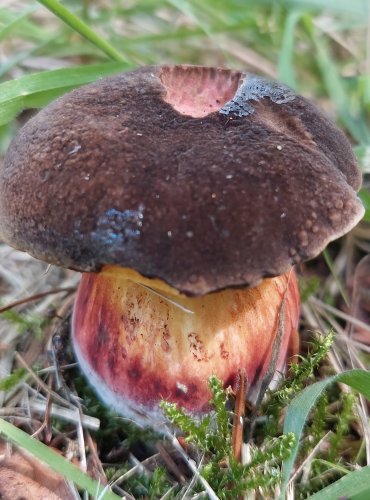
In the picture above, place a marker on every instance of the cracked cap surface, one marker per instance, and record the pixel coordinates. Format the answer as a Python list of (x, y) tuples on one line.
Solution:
[(203, 177)]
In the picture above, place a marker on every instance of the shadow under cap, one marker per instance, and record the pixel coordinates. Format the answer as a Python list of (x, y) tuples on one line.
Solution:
[(203, 177)]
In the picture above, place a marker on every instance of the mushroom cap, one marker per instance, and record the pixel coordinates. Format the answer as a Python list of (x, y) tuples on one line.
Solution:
[(205, 178)]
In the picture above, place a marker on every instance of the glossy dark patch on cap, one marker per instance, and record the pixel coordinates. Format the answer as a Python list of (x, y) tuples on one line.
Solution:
[(203, 177), (254, 88)]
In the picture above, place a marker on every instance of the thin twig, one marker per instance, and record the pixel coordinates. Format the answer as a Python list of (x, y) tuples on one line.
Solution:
[(192, 466), (131, 472), (309, 457), (171, 465), (237, 433), (99, 473), (34, 297), (69, 415), (42, 384)]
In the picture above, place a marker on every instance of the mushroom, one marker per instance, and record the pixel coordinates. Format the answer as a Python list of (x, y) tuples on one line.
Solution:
[(185, 195)]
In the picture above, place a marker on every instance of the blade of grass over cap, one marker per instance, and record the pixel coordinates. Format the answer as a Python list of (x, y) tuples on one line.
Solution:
[(355, 485), (55, 461), (299, 409), (82, 28), (36, 90)]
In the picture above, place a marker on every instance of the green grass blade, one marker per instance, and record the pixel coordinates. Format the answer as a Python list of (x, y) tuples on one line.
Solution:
[(82, 28), (36, 90), (334, 84), (331, 466), (300, 407), (21, 25), (285, 64), (356, 7), (341, 288), (355, 485), (6, 30), (363, 155), (365, 198), (7, 383), (55, 461), (20, 56)]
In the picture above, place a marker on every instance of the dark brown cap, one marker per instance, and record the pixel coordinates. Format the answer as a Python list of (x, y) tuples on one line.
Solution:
[(205, 178)]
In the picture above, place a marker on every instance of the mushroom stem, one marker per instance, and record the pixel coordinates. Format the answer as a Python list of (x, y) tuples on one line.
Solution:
[(138, 347)]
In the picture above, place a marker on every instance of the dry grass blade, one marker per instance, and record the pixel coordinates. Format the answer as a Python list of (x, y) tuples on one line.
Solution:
[(249, 57), (167, 299), (336, 312), (42, 384), (307, 462), (192, 466), (360, 303), (170, 463), (37, 296), (137, 468), (96, 465), (70, 415)]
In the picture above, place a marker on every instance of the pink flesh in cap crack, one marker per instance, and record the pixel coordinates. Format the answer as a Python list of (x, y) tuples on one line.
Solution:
[(198, 91), (138, 348)]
